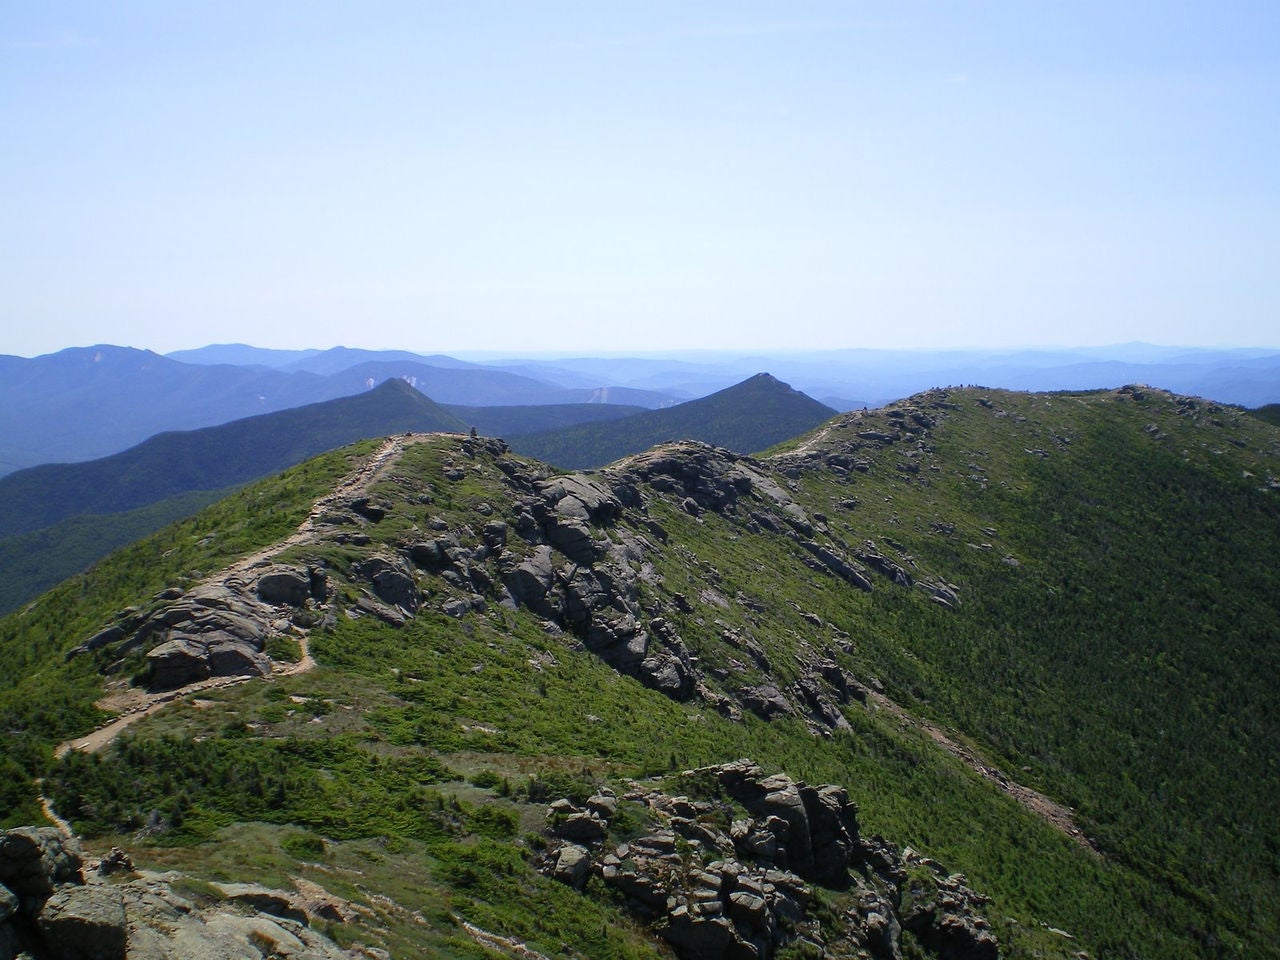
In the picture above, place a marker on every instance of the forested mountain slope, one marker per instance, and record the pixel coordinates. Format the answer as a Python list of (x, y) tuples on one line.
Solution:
[(749, 416), (213, 457), (973, 610)]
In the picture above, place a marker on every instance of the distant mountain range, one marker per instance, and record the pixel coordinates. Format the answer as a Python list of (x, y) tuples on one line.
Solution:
[(84, 403), (213, 457), (101, 504), (855, 378)]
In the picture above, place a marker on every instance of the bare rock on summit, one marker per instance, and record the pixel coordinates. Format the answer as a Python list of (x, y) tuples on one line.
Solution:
[(581, 497), (85, 923)]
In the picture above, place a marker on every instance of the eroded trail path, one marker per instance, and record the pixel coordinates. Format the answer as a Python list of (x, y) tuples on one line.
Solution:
[(1055, 814), (132, 704)]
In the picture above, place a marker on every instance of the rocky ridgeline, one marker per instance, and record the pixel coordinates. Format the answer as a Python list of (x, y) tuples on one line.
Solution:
[(54, 906), (732, 875), (577, 550), (855, 441)]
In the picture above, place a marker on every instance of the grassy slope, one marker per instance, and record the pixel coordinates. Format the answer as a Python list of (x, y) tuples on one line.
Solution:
[(1149, 708), (44, 699), (746, 417)]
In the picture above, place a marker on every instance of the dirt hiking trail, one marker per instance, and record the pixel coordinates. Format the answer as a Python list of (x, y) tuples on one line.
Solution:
[(132, 704)]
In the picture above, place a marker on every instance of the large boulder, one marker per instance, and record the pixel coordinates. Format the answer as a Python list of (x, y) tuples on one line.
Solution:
[(285, 585), (85, 923), (531, 579), (581, 497), (34, 861), (572, 538), (766, 701), (667, 674), (833, 831), (572, 865), (189, 659), (392, 582)]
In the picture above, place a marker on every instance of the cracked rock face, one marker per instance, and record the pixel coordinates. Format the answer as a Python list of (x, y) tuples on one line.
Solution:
[(213, 630), (746, 891)]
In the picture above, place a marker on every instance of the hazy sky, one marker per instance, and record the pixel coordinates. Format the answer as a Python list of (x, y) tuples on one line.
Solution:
[(600, 176)]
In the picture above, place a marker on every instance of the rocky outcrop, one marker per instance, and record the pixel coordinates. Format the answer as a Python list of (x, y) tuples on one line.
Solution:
[(580, 550), (943, 915), (391, 580), (213, 630), (290, 586), (48, 911), (85, 923), (715, 883)]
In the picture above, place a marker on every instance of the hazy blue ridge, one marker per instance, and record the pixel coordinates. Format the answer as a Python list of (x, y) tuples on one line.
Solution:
[(747, 417)]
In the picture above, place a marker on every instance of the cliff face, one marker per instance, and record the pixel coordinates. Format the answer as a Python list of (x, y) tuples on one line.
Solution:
[(472, 682)]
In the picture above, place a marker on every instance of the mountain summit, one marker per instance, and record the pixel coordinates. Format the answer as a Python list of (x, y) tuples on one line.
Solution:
[(747, 417)]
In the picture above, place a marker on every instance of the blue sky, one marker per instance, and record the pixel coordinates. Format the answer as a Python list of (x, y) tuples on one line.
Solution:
[(586, 177)]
